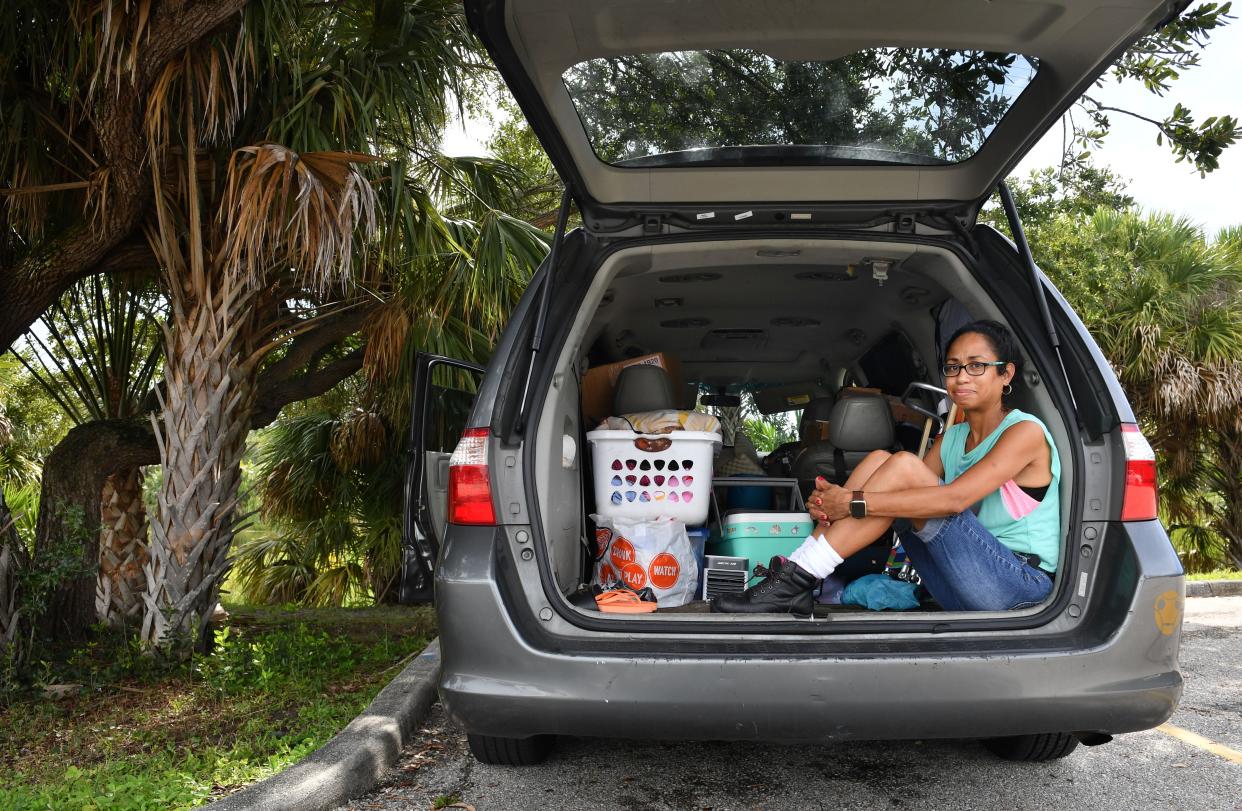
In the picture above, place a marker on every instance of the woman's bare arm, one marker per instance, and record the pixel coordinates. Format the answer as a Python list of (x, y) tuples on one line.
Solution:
[(1018, 447), (932, 459)]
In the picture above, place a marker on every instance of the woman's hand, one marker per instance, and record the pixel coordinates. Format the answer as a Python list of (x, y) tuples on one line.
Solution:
[(829, 502)]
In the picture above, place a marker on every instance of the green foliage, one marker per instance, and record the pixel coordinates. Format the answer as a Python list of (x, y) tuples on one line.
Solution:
[(150, 734), (33, 586), (36, 423), (514, 142), (1215, 574), (1165, 305), (770, 432), (298, 656), (99, 347), (332, 510), (23, 502), (1157, 61), (913, 104), (59, 562)]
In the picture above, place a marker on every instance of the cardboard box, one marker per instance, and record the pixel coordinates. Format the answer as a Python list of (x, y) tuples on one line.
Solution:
[(599, 383)]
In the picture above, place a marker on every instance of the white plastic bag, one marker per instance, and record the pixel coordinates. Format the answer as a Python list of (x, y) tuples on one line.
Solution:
[(652, 552)]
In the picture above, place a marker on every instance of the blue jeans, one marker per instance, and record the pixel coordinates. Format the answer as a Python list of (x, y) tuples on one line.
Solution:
[(966, 569)]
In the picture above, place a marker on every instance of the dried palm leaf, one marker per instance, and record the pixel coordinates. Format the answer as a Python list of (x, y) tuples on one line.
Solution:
[(385, 335), (361, 438), (282, 209), (115, 29)]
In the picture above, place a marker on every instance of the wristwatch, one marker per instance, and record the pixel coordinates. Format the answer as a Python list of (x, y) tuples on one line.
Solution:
[(858, 505)]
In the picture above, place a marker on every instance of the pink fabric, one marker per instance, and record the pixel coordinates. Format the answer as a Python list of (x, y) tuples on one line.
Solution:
[(1016, 500)]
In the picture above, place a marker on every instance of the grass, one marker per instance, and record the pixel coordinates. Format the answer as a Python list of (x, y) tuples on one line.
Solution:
[(140, 735), (1216, 574)]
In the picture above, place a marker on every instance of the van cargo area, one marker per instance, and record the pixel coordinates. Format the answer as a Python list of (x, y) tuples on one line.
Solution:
[(794, 325)]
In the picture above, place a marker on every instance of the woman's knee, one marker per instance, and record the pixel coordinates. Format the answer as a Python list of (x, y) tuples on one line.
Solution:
[(910, 468), (876, 458)]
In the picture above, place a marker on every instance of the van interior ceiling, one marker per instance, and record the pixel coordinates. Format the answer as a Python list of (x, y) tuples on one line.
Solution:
[(803, 316)]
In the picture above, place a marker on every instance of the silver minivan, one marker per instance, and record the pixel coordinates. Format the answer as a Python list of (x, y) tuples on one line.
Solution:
[(784, 196)]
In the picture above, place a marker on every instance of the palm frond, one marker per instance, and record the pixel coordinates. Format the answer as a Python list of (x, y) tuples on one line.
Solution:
[(386, 335), (115, 30), (102, 348), (300, 211), (360, 438)]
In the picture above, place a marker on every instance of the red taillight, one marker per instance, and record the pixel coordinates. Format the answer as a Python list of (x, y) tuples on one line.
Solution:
[(470, 487), (1138, 503)]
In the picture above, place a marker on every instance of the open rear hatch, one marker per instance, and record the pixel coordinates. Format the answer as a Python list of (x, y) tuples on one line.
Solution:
[(650, 103), (795, 114)]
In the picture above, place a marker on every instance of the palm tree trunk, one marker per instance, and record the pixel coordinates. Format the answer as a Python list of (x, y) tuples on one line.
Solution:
[(67, 536), (1229, 452), (122, 549), (202, 430)]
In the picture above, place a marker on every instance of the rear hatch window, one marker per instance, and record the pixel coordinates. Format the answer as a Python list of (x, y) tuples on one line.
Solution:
[(915, 106)]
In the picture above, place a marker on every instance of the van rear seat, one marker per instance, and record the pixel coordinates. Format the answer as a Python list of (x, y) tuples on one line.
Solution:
[(858, 424)]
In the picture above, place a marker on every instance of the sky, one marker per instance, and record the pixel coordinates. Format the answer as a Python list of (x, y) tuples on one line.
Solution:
[(1156, 181)]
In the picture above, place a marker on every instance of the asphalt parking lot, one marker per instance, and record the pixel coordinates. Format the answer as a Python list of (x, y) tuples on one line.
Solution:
[(1191, 763)]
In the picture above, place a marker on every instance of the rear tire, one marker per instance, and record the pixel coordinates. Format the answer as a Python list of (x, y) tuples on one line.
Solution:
[(1033, 748), (509, 751)]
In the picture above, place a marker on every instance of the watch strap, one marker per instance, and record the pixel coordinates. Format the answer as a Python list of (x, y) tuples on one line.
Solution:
[(858, 505)]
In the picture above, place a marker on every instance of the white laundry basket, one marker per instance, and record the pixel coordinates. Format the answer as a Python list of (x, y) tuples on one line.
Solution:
[(631, 482)]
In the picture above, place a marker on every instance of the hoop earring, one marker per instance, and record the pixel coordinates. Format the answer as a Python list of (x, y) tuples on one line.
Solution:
[(1007, 390)]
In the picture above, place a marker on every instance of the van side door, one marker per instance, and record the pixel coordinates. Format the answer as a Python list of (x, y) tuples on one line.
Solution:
[(440, 404)]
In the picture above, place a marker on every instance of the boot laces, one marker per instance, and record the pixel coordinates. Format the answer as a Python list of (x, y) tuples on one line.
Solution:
[(771, 578)]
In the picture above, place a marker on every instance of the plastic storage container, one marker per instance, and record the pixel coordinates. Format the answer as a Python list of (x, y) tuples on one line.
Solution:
[(653, 475), (698, 542), (759, 536)]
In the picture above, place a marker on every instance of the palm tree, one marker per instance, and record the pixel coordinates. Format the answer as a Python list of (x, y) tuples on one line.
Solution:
[(1174, 335), (96, 354), (323, 197), (1227, 479), (451, 300), (272, 158)]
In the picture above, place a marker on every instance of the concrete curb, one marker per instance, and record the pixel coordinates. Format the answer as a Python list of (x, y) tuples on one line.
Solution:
[(353, 762), (1213, 588)]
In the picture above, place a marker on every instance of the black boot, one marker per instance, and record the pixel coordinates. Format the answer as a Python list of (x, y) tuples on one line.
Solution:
[(786, 588)]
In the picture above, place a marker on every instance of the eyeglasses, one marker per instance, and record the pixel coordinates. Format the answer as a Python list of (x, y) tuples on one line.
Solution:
[(974, 368)]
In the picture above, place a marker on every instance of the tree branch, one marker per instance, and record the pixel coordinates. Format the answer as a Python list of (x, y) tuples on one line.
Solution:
[(272, 398), (39, 278), (331, 328), (1105, 108)]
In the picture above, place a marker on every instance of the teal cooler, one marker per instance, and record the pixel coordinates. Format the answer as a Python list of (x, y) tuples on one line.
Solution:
[(760, 535)]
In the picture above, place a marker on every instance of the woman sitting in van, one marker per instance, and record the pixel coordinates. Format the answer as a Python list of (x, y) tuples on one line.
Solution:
[(983, 505)]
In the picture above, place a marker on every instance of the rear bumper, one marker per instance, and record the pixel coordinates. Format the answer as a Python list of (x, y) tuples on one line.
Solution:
[(495, 683)]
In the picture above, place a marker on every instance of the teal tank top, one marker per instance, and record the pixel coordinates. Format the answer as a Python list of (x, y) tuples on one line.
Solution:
[(1004, 512)]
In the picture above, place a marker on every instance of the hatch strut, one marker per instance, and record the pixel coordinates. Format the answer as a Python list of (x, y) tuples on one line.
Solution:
[(1041, 294), (545, 301)]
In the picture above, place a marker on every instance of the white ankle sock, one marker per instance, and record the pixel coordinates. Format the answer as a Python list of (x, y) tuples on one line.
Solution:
[(817, 557)]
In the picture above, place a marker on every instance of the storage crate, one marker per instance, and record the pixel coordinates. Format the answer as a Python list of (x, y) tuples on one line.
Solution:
[(634, 481), (759, 536)]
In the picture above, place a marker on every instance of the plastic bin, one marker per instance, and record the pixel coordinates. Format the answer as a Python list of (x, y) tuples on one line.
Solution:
[(758, 497), (759, 536), (698, 542), (675, 482)]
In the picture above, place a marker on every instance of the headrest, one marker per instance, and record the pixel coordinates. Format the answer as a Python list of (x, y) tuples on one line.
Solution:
[(818, 410), (643, 387), (861, 422)]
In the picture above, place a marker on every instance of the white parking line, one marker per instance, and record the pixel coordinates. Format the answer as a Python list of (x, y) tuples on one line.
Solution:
[(1186, 736)]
